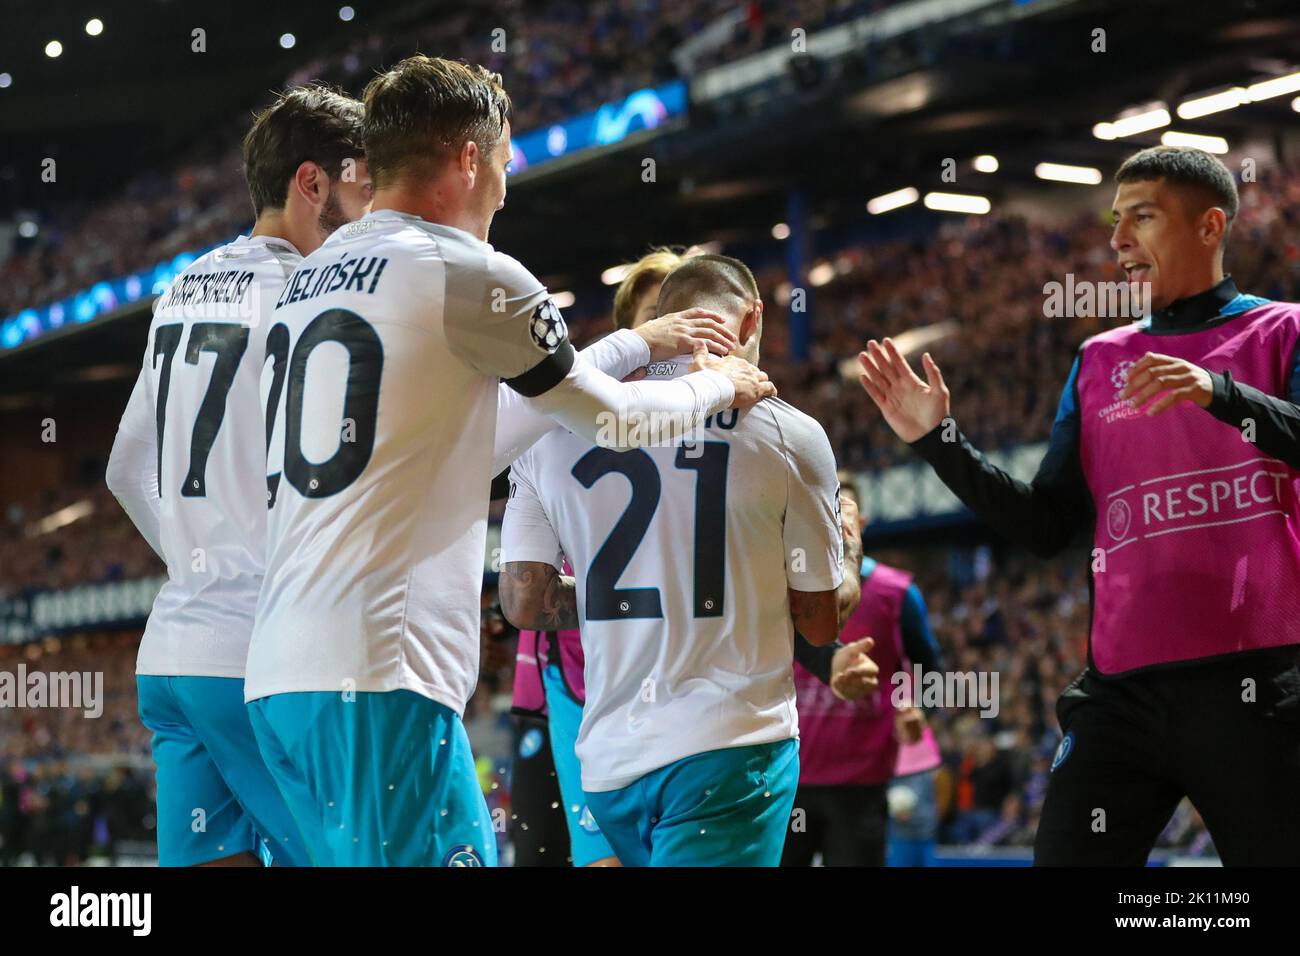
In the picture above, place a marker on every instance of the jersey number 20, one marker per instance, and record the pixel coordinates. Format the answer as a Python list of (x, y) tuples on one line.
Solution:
[(360, 402)]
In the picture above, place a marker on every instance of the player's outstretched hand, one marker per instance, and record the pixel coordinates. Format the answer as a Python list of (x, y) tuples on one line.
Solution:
[(912, 408), (909, 724), (681, 333), (853, 673), (752, 384), (1180, 380)]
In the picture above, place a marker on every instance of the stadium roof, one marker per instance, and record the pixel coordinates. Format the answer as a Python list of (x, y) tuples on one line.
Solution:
[(1028, 92), (112, 102)]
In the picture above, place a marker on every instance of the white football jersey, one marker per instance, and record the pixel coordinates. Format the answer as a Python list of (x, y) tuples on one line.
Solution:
[(198, 398), (683, 555), (392, 338)]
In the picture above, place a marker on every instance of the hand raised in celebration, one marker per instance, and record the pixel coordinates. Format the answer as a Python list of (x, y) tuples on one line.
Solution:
[(912, 408)]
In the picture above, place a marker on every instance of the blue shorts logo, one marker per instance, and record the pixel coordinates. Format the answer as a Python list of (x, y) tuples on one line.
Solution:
[(588, 822), (462, 855), (530, 743), (1063, 750)]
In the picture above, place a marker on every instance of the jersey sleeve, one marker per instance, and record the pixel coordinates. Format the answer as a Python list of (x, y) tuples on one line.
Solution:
[(1043, 515), (500, 320), (132, 473), (1276, 420), (918, 640), (526, 532), (814, 544), (139, 420), (520, 423), (623, 415)]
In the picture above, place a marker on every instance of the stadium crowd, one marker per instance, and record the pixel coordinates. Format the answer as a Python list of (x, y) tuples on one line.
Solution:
[(1027, 622), (1006, 362), (73, 788), (558, 58), (101, 546)]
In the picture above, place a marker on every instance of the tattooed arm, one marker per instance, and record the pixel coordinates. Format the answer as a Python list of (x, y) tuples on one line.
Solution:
[(819, 615), (822, 557), (849, 593), (535, 596), (816, 615)]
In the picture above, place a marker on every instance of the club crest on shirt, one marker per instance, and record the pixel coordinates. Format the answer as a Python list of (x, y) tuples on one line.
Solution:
[(1062, 751), (530, 743), (462, 855), (547, 326)]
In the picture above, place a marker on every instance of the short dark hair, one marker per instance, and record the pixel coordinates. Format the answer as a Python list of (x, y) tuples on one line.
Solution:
[(707, 281), (308, 123), (1202, 172), (427, 108)]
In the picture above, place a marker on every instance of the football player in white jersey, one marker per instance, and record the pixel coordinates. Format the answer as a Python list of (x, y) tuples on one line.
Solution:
[(846, 669), (694, 561), (394, 337), (188, 465)]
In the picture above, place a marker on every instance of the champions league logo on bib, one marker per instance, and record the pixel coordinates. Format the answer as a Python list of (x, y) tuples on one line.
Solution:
[(1119, 374), (462, 855), (547, 326), (1119, 408)]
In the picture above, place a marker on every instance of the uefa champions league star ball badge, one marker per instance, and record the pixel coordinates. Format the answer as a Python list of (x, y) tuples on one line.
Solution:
[(547, 326)]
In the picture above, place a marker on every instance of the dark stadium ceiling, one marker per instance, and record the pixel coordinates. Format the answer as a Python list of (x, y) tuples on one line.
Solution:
[(109, 103), (727, 177)]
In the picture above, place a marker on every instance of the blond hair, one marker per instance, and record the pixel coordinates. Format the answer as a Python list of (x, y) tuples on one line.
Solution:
[(650, 270)]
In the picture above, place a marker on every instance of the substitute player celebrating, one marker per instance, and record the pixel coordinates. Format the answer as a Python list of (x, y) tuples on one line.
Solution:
[(1192, 686), (392, 339)]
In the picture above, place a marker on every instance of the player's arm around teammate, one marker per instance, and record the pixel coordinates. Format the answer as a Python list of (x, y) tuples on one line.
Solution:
[(619, 355), (501, 321)]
